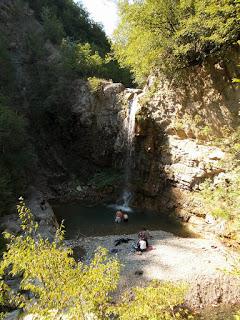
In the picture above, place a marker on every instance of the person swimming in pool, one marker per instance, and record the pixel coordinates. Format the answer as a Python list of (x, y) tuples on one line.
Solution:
[(119, 216), (125, 217)]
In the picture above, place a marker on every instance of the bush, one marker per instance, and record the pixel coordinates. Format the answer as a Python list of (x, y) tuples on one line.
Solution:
[(57, 282), (157, 301), (96, 84), (53, 29)]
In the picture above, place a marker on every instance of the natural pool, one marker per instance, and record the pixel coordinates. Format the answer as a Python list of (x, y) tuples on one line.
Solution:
[(98, 220)]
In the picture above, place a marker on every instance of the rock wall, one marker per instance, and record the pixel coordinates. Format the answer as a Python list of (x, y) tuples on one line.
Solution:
[(42, 214), (176, 127), (179, 122), (99, 116)]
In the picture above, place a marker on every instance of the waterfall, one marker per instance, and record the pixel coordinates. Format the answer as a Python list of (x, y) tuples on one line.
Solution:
[(129, 131), (129, 162)]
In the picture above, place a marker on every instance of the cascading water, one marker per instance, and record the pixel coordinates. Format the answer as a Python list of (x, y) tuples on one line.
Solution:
[(129, 129), (129, 162)]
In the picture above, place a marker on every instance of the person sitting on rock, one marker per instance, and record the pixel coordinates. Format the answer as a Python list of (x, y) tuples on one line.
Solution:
[(144, 235), (119, 216), (141, 245)]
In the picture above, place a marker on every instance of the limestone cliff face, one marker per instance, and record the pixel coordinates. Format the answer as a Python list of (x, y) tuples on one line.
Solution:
[(99, 120), (176, 128), (201, 102), (175, 131)]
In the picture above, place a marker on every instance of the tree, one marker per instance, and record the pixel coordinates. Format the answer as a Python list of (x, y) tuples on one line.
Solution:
[(170, 35), (53, 28)]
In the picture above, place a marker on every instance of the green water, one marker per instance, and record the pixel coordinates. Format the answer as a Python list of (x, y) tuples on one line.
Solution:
[(99, 221)]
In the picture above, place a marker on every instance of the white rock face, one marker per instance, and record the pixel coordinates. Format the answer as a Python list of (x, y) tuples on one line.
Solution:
[(192, 162)]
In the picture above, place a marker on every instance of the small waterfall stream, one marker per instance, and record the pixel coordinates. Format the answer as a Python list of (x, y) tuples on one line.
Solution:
[(129, 162), (129, 132)]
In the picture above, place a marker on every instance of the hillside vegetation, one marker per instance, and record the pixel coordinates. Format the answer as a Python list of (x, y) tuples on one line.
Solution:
[(172, 35), (44, 46)]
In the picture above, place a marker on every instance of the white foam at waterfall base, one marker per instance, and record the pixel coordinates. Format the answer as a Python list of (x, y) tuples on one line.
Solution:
[(120, 207), (125, 201)]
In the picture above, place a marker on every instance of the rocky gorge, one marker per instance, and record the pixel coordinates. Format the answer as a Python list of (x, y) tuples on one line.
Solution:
[(176, 138), (180, 120), (174, 152), (181, 139)]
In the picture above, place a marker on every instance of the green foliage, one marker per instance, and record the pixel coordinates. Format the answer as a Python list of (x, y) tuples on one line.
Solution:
[(170, 35), (222, 200), (80, 60), (53, 29), (74, 21), (84, 39), (96, 84), (156, 302), (15, 156), (59, 284)]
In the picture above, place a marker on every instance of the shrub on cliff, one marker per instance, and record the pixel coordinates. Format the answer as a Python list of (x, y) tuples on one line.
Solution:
[(80, 60), (53, 28), (222, 198)]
